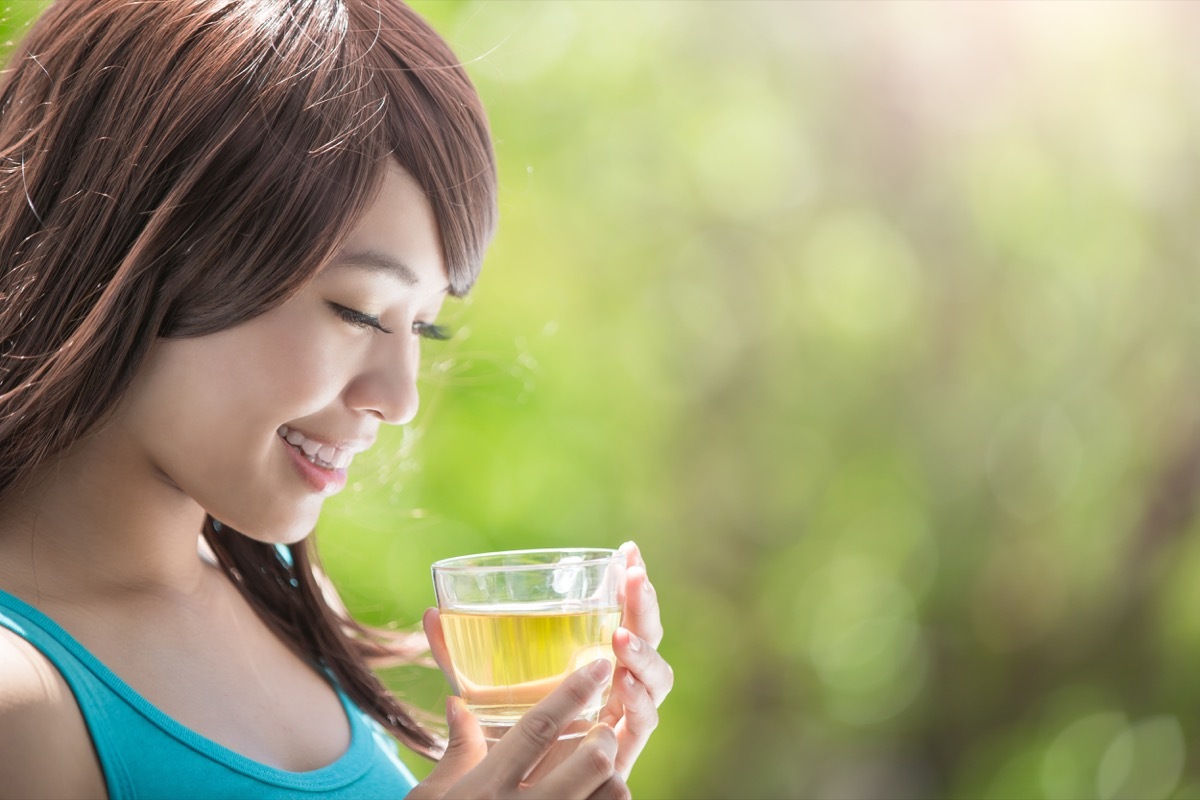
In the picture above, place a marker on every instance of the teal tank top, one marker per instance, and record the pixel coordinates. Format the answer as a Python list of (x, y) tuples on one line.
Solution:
[(146, 754)]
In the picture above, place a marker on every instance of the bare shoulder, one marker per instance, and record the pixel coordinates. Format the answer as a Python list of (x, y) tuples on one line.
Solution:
[(45, 749)]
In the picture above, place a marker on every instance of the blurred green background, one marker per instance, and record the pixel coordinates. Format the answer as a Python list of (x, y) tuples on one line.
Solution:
[(874, 324)]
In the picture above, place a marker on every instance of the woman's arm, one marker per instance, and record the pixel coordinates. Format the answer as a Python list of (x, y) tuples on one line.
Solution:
[(45, 748)]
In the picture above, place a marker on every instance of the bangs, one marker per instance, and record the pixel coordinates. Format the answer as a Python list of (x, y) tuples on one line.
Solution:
[(432, 123)]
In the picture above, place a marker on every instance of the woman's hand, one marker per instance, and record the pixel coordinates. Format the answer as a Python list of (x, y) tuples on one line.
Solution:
[(643, 678), (470, 770), (641, 682)]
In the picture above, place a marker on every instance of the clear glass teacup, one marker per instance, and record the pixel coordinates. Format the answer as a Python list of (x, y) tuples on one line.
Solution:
[(517, 623)]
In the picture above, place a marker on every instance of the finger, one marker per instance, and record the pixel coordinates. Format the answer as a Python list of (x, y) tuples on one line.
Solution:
[(465, 749), (557, 754), (432, 622), (633, 558), (613, 789), (639, 720), (613, 710), (466, 745), (519, 749), (583, 772), (646, 664), (641, 607), (633, 555)]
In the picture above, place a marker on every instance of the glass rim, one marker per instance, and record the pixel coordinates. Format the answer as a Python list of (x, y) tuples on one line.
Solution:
[(459, 563)]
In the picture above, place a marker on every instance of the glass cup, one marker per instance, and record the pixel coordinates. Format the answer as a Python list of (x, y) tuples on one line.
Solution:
[(517, 623)]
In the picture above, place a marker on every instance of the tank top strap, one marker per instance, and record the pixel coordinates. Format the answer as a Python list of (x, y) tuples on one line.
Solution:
[(76, 666), (144, 753)]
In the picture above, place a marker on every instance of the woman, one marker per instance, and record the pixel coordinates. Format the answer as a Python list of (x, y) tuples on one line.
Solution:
[(225, 225)]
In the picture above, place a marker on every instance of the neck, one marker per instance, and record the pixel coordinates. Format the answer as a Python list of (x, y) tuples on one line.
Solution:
[(96, 521)]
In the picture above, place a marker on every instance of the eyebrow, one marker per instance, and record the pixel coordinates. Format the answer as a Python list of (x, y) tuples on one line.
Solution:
[(375, 261)]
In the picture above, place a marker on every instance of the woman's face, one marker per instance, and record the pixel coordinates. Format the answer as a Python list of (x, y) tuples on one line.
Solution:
[(257, 423)]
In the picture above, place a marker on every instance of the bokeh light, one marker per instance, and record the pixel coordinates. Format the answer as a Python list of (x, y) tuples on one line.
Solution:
[(876, 326)]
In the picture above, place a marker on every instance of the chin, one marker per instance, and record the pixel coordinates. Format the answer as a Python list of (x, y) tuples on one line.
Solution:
[(286, 537), (289, 531)]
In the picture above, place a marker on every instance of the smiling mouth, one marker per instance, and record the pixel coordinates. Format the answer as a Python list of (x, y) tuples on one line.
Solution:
[(321, 455)]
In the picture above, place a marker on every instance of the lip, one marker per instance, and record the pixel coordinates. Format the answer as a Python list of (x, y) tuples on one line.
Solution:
[(324, 481)]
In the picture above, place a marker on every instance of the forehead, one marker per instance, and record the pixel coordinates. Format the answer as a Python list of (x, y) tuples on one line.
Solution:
[(397, 236)]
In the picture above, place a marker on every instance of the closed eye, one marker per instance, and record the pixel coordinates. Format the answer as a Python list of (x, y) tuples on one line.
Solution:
[(427, 330), (359, 319)]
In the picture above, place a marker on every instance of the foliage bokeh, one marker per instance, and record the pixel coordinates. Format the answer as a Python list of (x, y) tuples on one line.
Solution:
[(874, 325)]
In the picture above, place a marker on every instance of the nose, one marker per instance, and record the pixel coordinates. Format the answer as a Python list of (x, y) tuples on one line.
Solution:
[(386, 387)]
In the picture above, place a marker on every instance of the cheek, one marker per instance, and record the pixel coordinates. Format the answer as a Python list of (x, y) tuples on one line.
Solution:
[(273, 372), (222, 396)]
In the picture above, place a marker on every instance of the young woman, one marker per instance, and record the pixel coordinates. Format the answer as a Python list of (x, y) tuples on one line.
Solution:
[(225, 226)]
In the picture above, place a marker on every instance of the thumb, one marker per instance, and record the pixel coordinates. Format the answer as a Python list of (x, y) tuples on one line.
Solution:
[(466, 748), (435, 636)]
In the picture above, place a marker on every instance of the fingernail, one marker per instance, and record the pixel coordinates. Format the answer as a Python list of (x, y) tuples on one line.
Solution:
[(647, 589), (628, 678), (600, 669), (635, 644), (451, 709)]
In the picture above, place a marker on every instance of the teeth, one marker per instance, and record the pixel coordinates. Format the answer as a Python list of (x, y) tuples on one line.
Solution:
[(323, 455)]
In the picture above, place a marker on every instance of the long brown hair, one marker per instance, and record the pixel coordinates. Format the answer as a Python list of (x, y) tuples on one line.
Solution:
[(170, 168)]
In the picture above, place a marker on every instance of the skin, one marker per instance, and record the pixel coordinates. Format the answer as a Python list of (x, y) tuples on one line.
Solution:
[(640, 683), (104, 541)]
